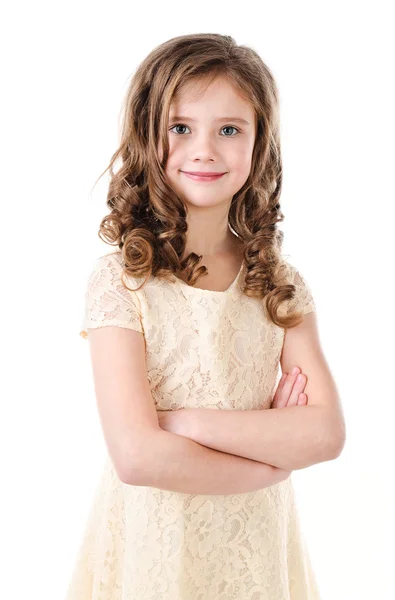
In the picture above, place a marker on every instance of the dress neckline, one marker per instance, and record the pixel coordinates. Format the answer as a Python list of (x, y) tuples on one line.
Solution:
[(194, 290)]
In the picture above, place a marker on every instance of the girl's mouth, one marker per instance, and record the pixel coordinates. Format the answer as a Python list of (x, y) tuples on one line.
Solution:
[(203, 178)]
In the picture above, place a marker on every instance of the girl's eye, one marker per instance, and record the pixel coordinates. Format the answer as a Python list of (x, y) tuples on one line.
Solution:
[(225, 127)]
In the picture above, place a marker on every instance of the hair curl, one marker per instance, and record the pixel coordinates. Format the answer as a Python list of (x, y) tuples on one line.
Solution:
[(148, 220)]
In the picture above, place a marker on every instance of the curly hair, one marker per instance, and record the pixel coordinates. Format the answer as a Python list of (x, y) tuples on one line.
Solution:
[(147, 220)]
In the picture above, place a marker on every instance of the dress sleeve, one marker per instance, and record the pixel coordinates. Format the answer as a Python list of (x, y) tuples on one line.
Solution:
[(303, 300), (107, 301)]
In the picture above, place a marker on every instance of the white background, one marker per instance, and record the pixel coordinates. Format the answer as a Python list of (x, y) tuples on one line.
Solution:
[(65, 69)]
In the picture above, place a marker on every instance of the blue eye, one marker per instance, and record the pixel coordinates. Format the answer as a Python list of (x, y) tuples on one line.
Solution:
[(225, 127), (230, 127)]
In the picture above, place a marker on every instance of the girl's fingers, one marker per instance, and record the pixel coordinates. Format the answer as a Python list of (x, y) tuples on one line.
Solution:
[(297, 389), (289, 391), (302, 399), (286, 398), (281, 383)]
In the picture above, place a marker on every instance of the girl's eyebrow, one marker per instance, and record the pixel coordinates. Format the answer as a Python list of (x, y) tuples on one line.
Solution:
[(238, 119)]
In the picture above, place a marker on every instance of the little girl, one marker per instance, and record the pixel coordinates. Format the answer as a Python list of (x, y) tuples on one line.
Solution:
[(189, 322)]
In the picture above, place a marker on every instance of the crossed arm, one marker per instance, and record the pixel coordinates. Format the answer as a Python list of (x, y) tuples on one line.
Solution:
[(290, 438)]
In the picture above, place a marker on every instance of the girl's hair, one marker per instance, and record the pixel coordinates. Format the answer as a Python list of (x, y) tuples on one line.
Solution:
[(148, 220)]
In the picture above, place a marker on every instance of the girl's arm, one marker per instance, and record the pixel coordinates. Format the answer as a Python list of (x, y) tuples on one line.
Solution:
[(291, 438), (172, 462), (293, 441), (294, 438)]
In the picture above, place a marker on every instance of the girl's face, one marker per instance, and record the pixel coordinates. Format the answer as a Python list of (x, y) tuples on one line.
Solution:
[(212, 133)]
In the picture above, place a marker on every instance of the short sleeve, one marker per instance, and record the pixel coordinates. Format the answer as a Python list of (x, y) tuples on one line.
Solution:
[(107, 301), (303, 300)]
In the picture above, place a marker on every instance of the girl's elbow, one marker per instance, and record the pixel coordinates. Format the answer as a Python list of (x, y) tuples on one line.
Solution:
[(337, 445)]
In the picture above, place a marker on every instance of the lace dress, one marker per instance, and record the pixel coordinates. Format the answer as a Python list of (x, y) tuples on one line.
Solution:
[(203, 348)]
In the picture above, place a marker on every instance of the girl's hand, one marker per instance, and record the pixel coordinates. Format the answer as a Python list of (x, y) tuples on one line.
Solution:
[(290, 391)]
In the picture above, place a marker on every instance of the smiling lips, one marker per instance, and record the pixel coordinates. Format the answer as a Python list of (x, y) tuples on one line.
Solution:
[(203, 176)]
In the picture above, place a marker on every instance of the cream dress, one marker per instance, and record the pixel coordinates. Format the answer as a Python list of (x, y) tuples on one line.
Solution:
[(203, 349)]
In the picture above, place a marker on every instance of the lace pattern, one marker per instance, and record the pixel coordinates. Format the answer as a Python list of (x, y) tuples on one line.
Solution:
[(210, 349)]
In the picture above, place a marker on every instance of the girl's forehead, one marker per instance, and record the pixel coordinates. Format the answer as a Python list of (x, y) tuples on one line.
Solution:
[(218, 92), (242, 112), (197, 88)]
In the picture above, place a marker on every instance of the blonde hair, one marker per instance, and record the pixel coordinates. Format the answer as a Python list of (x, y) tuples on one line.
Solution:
[(147, 220)]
